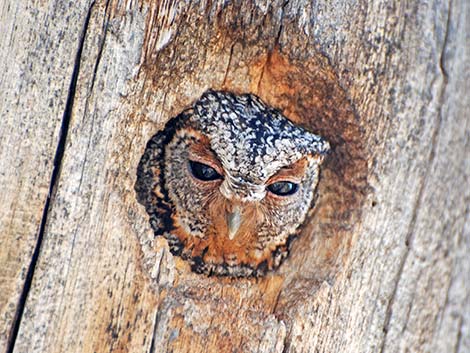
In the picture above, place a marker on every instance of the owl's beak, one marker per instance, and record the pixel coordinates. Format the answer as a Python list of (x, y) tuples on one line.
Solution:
[(234, 220)]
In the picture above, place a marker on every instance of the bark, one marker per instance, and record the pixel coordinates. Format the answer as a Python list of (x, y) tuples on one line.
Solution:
[(381, 266)]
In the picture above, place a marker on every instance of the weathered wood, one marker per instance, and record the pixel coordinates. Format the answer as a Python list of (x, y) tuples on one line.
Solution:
[(37, 46), (383, 263)]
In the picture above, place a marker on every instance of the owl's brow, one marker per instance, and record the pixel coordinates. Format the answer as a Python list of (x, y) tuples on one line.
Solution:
[(293, 172)]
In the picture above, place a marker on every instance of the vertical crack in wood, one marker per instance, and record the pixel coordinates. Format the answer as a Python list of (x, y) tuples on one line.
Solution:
[(58, 157), (155, 328), (101, 45), (258, 86), (423, 183), (228, 64), (281, 27), (442, 67), (276, 46), (459, 336), (286, 342)]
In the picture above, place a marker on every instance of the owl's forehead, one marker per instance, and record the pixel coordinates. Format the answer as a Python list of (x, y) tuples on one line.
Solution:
[(251, 139)]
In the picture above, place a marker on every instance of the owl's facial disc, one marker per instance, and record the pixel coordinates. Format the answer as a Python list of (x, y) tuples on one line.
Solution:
[(206, 168), (239, 194), (282, 185), (228, 182)]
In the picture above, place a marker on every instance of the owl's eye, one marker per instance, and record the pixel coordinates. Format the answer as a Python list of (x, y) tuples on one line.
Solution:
[(283, 188), (203, 171)]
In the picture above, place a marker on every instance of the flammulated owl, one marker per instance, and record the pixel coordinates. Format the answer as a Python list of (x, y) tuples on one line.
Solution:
[(228, 182)]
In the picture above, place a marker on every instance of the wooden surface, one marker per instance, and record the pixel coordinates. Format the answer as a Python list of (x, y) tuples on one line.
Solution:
[(383, 263), (38, 46)]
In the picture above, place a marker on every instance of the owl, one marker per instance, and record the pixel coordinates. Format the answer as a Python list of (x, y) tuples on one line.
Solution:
[(228, 182)]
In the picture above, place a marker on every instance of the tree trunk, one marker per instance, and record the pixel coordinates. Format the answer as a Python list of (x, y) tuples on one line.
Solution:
[(381, 266)]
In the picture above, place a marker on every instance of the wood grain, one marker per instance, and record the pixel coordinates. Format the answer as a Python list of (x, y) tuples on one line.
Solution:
[(37, 46), (383, 263)]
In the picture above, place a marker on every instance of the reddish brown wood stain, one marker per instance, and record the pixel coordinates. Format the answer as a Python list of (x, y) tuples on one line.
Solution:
[(216, 54), (309, 94)]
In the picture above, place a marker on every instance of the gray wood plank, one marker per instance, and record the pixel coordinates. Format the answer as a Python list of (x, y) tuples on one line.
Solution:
[(38, 43)]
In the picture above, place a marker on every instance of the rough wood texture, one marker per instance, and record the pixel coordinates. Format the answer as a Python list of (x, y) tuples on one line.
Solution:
[(382, 265), (37, 55)]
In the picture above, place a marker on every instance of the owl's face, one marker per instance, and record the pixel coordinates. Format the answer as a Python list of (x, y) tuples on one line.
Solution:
[(234, 182)]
